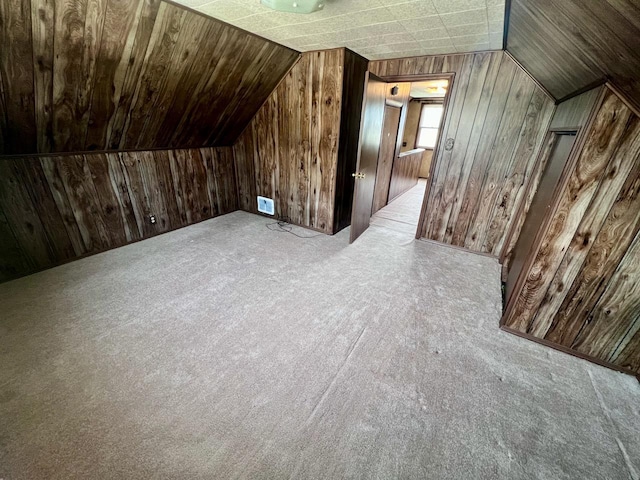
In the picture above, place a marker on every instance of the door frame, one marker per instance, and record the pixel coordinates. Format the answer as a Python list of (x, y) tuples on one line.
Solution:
[(443, 121)]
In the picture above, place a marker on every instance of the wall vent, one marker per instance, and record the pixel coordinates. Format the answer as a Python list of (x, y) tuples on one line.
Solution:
[(265, 205)]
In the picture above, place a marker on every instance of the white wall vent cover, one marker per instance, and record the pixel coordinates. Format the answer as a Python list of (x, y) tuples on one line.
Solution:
[(265, 205)]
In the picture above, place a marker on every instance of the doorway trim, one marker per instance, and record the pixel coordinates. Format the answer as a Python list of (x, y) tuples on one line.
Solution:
[(436, 151)]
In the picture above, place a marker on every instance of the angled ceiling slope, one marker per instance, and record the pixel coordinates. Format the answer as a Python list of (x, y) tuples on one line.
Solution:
[(127, 74), (375, 29), (568, 45)]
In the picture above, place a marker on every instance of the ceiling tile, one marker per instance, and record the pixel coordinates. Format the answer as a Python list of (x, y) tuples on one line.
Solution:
[(425, 23), (396, 38), (381, 28), (227, 10), (470, 39), (495, 13), (468, 17), (453, 6), (474, 47), (495, 27), (496, 40), (475, 29), (436, 43), (429, 34), (402, 11)]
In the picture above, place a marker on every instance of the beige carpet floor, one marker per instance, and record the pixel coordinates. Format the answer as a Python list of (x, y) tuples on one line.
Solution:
[(226, 350), (403, 213)]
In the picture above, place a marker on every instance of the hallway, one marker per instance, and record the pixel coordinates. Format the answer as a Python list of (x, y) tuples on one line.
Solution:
[(403, 213)]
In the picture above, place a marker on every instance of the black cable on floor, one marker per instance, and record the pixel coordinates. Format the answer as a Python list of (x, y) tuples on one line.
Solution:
[(285, 226)]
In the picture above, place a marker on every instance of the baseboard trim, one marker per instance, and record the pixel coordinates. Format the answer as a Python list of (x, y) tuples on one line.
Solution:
[(563, 349)]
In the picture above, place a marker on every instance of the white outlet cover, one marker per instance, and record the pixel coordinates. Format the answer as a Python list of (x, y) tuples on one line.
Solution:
[(265, 205)]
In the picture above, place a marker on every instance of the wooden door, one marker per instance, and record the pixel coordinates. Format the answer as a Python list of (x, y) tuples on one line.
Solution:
[(368, 149), (558, 156), (386, 157)]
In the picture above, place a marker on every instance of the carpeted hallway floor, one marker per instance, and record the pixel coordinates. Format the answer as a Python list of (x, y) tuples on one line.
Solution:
[(226, 350)]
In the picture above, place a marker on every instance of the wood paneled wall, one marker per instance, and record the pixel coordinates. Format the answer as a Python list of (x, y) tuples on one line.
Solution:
[(405, 172), (497, 119), (289, 151), (581, 287), (57, 208), (127, 74), (569, 44)]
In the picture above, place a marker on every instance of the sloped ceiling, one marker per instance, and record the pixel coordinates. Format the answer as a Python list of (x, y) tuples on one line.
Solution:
[(375, 29), (569, 44), (78, 75)]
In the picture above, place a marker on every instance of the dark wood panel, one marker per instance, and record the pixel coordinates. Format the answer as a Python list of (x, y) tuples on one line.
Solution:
[(569, 44), (58, 208), (579, 290), (290, 148), (386, 157), (497, 120), (369, 149), (127, 74), (355, 68), (16, 70), (404, 176)]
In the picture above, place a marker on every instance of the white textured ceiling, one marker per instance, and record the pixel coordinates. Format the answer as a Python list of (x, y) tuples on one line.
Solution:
[(374, 28)]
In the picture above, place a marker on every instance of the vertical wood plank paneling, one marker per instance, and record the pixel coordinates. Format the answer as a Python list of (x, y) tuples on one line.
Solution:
[(112, 74), (85, 203), (13, 261), (513, 188), (58, 208), (23, 214), (125, 79), (120, 19), (291, 145), (115, 204), (601, 142), (35, 181), (42, 28), (497, 119), (579, 288), (16, 70), (482, 158), (405, 173), (78, 32), (617, 309), (502, 154), (595, 221), (246, 176)]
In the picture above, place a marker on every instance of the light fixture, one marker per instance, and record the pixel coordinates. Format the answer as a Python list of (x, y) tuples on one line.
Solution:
[(295, 6)]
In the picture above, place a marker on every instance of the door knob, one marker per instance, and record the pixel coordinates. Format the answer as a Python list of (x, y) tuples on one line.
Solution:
[(358, 175)]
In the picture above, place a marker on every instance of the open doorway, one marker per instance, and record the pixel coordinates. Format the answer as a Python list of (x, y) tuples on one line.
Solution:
[(413, 116)]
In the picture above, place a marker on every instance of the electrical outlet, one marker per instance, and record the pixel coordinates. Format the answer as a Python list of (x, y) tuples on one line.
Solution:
[(265, 205), (152, 219)]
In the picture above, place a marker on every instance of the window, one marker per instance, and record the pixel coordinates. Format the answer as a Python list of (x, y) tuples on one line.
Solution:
[(430, 116)]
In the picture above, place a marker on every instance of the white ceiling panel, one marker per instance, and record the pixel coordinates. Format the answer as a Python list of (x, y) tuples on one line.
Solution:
[(376, 29)]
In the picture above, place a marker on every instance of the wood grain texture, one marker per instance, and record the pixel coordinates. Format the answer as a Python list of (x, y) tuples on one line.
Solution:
[(386, 157), (580, 290), (569, 44), (355, 68), (497, 119), (104, 75), (289, 151), (405, 173), (58, 208)]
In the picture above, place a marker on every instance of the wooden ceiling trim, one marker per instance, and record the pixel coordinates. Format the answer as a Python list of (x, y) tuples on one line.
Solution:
[(127, 75)]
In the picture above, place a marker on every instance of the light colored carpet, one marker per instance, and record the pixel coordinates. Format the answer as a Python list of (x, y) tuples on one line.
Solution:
[(403, 213), (226, 350)]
